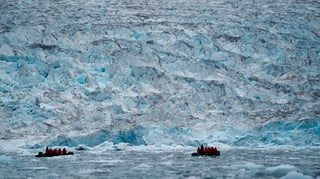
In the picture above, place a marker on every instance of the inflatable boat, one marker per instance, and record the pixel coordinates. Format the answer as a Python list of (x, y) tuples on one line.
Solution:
[(217, 153), (40, 154)]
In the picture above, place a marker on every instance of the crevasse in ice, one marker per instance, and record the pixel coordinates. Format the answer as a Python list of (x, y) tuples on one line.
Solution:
[(242, 73)]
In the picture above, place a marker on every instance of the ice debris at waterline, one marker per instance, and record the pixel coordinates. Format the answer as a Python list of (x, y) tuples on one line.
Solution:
[(292, 133), (240, 73)]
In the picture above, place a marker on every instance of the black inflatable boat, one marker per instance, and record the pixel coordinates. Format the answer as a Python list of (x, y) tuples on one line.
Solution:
[(40, 154), (206, 153)]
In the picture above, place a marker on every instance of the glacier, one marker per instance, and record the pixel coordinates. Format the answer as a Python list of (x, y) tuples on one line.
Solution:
[(159, 72)]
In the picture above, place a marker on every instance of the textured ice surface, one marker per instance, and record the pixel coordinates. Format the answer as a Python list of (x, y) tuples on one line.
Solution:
[(238, 73)]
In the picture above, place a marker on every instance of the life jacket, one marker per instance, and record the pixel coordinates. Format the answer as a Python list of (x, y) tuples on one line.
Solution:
[(49, 151), (64, 151), (59, 152), (55, 151)]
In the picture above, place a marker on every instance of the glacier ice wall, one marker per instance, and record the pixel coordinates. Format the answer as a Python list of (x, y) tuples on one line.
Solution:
[(160, 71)]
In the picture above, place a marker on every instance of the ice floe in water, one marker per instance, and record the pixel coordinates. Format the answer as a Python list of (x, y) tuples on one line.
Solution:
[(295, 175)]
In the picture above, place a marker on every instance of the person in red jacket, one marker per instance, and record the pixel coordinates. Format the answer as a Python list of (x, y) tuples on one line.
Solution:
[(64, 151), (215, 150), (50, 152), (55, 151)]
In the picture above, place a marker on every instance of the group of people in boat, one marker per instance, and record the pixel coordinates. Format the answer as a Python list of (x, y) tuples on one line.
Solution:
[(205, 150), (52, 152)]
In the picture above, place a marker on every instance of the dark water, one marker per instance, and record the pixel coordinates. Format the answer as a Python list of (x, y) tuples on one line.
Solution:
[(240, 163)]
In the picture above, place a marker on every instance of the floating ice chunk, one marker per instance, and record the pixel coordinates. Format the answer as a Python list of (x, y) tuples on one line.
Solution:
[(279, 171), (5, 158), (107, 145), (295, 175), (253, 166), (143, 166), (39, 168), (82, 147), (120, 146), (193, 177)]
